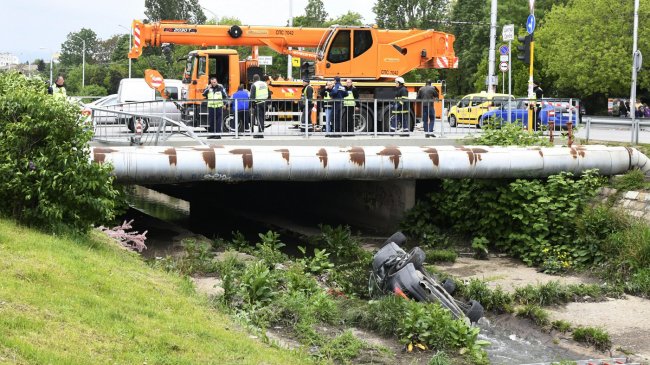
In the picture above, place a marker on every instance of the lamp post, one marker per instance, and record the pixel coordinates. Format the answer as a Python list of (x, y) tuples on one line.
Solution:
[(29, 65), (51, 57), (216, 20), (83, 62), (130, 31)]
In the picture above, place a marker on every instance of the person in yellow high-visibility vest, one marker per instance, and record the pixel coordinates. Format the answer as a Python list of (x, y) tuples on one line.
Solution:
[(350, 106), (259, 92), (399, 121), (307, 96), (215, 94), (57, 90), (327, 105)]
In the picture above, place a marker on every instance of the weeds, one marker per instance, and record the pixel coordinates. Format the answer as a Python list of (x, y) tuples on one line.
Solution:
[(352, 278), (496, 300), (632, 180), (338, 241), (257, 284), (562, 326), (318, 264), (534, 313), (342, 348), (440, 358), (441, 255), (596, 336)]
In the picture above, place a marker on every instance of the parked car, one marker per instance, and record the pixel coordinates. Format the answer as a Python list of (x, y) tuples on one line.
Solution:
[(135, 96), (101, 117), (396, 272), (560, 115), (471, 107)]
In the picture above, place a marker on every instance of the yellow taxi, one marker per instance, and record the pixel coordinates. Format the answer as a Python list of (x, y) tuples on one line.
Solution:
[(471, 107)]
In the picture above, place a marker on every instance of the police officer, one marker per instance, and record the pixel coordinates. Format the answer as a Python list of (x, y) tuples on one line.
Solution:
[(350, 106), (259, 92), (327, 105), (400, 108), (338, 93), (215, 94), (57, 90), (538, 95), (308, 96)]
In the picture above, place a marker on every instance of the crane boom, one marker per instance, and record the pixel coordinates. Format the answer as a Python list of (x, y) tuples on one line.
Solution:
[(356, 52)]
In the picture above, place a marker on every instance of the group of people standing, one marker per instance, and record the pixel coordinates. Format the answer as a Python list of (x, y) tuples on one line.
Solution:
[(640, 110), (340, 104)]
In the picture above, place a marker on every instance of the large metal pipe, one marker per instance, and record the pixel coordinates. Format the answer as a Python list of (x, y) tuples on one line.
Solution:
[(153, 165)]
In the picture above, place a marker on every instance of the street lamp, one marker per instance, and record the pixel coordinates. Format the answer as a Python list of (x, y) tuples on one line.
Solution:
[(29, 65), (83, 62), (216, 18), (51, 57), (130, 31)]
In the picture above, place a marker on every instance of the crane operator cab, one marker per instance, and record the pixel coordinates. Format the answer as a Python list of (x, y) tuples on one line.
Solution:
[(347, 52)]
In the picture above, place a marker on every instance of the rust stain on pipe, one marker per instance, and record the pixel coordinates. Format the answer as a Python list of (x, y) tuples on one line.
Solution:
[(394, 154), (357, 156), (574, 153), (322, 156), (246, 156), (433, 156), (479, 150), (285, 154), (541, 153), (99, 153), (171, 152)]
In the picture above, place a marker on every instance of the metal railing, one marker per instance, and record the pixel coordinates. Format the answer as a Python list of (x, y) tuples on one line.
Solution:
[(634, 125), (327, 118)]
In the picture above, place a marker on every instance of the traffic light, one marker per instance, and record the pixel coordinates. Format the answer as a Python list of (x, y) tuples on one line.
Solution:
[(525, 49), (305, 70)]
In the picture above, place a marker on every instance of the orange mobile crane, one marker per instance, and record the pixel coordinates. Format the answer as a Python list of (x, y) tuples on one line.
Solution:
[(371, 57)]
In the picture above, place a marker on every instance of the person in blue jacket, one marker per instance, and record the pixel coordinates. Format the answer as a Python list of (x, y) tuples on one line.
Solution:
[(242, 108), (337, 94)]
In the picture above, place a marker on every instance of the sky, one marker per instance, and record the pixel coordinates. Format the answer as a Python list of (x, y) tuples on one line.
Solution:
[(26, 25)]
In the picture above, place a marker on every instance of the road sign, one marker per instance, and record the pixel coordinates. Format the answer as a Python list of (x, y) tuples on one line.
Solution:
[(530, 24), (504, 50), (295, 61), (508, 33), (266, 60), (531, 4), (503, 58), (503, 66)]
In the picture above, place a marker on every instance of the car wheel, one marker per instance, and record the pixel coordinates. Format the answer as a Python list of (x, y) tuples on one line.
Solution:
[(475, 311), (449, 286), (416, 257), (131, 125), (398, 238), (229, 122), (480, 122), (452, 121)]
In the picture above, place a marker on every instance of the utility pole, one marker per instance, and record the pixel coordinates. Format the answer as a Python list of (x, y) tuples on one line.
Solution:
[(51, 57), (83, 63), (130, 32), (289, 68), (493, 36), (636, 65)]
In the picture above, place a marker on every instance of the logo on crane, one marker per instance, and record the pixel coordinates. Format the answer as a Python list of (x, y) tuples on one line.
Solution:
[(180, 30)]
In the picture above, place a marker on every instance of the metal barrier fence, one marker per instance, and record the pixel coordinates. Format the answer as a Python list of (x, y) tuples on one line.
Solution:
[(634, 125), (328, 118)]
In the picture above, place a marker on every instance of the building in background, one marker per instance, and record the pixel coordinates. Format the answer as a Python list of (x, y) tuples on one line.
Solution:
[(7, 59)]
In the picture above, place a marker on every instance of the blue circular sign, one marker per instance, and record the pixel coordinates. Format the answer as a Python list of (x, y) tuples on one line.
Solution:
[(530, 24), (504, 50)]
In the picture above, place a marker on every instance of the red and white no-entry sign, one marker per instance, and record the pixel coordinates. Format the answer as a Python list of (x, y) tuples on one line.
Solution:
[(503, 66)]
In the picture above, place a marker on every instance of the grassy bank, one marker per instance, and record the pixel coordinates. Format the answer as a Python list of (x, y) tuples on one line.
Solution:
[(84, 301)]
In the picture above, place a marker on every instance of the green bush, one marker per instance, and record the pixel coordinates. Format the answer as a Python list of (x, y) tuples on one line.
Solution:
[(92, 90), (256, 283), (47, 178), (496, 300), (534, 313), (639, 283), (268, 250), (562, 326), (502, 133), (342, 348), (593, 228), (440, 358), (317, 264), (339, 241), (441, 255), (522, 217), (352, 277)]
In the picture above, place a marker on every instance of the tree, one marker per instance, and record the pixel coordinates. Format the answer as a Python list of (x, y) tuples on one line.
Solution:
[(190, 10), (315, 15), (594, 54), (121, 51), (105, 48), (350, 18), (408, 14), (41, 65), (72, 48)]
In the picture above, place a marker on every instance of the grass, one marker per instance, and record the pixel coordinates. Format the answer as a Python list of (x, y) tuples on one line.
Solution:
[(84, 300), (554, 292), (535, 314), (632, 180), (440, 255), (561, 325), (596, 336)]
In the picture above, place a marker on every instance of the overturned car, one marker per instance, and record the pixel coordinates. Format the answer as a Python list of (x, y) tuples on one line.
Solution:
[(396, 272)]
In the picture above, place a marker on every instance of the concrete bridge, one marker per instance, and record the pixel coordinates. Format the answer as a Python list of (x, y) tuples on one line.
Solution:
[(368, 186)]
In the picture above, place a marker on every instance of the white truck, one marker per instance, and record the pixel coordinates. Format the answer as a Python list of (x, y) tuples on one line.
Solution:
[(135, 96)]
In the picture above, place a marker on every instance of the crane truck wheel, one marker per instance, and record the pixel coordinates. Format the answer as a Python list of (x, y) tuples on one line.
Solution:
[(388, 115), (363, 119), (229, 122), (235, 31)]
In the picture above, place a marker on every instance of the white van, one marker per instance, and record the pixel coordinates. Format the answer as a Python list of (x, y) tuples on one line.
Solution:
[(135, 96)]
